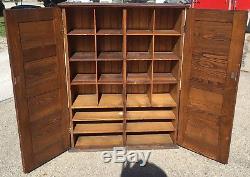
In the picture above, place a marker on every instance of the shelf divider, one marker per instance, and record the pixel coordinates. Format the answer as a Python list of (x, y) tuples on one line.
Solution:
[(124, 92)]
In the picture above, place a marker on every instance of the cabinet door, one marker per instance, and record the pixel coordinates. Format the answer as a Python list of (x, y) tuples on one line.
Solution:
[(35, 42), (211, 66)]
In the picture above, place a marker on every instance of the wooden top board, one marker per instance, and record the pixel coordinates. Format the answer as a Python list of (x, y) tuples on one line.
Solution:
[(152, 5)]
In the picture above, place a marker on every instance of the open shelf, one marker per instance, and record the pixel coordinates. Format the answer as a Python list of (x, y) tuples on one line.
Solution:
[(83, 56), (82, 48), (163, 100), (84, 79), (139, 56), (164, 78), (109, 32), (140, 19), (90, 101), (139, 47), (139, 32), (149, 140), (79, 32), (165, 56), (110, 79), (109, 21), (167, 32), (138, 100), (85, 101), (173, 17), (134, 127), (138, 78), (99, 142), (98, 116), (110, 56), (150, 115), (98, 128), (80, 21), (111, 101)]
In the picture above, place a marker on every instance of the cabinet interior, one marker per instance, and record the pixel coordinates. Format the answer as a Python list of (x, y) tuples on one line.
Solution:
[(124, 72)]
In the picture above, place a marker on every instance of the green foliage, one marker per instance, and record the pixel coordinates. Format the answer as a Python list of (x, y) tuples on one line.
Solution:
[(2, 27)]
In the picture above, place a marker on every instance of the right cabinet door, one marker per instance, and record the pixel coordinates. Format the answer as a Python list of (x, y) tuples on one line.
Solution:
[(211, 65)]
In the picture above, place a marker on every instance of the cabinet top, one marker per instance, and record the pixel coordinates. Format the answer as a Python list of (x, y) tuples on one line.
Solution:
[(150, 5)]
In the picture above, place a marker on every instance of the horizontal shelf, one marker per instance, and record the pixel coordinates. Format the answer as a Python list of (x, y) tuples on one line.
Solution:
[(83, 56), (138, 100), (167, 32), (111, 101), (139, 56), (98, 116), (110, 79), (98, 128), (84, 79), (149, 140), (139, 32), (82, 32), (138, 78), (85, 101), (109, 56), (163, 100), (133, 127), (109, 32), (164, 78), (165, 56), (99, 142), (90, 101), (150, 115)]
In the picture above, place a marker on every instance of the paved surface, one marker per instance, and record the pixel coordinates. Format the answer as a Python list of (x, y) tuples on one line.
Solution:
[(177, 162)]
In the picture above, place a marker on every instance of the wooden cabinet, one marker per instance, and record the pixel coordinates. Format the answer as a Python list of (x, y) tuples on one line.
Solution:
[(97, 76)]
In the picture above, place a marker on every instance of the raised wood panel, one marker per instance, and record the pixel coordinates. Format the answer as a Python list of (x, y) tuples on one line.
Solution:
[(40, 52)]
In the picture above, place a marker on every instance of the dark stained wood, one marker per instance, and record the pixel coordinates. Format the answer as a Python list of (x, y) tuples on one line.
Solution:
[(212, 57), (38, 74)]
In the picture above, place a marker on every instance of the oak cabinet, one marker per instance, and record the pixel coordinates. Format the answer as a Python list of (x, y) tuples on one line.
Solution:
[(97, 76)]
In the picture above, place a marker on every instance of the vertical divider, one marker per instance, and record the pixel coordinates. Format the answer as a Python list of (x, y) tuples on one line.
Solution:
[(153, 56), (124, 53), (96, 62), (68, 77)]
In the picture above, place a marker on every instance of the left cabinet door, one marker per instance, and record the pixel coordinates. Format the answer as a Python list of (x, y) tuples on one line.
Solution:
[(36, 49)]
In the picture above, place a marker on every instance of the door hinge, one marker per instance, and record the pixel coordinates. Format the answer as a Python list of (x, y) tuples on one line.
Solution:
[(180, 85), (70, 130)]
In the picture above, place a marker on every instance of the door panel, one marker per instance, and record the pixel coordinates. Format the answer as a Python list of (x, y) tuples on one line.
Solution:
[(211, 66), (35, 41)]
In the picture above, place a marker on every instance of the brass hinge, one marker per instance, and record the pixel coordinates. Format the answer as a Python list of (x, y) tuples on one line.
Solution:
[(70, 129), (180, 85)]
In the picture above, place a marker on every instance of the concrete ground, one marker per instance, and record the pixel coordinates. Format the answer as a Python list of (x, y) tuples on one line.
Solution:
[(174, 162)]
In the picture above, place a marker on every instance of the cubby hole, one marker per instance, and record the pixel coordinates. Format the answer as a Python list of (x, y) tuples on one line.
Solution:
[(139, 47), (167, 48), (138, 95), (110, 72), (101, 141), (109, 21), (139, 72), (168, 21), (110, 95), (164, 95), (84, 96), (81, 48), (109, 48), (140, 21), (83, 72), (165, 72), (80, 21)]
